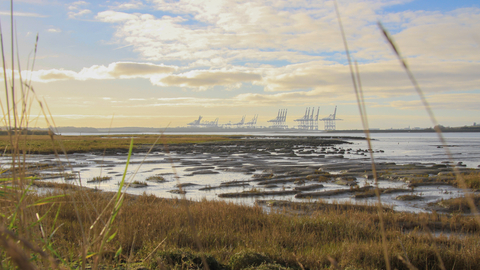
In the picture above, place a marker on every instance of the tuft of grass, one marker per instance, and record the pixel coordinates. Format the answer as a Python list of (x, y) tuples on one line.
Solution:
[(247, 259), (408, 197), (156, 178), (459, 204), (99, 179), (183, 259), (137, 183), (472, 180)]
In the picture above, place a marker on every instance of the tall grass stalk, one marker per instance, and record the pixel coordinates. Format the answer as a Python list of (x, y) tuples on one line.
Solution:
[(426, 105), (118, 204), (355, 76)]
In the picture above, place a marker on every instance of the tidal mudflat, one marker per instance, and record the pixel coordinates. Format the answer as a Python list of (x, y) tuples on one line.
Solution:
[(258, 170)]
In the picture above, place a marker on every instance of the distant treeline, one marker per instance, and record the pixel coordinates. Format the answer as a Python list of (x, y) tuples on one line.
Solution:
[(442, 128)]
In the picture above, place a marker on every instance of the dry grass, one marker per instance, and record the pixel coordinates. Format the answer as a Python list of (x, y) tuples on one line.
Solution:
[(472, 180), (42, 144), (349, 236), (459, 205)]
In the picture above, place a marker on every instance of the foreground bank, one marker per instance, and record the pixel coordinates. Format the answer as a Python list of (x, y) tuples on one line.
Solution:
[(150, 232)]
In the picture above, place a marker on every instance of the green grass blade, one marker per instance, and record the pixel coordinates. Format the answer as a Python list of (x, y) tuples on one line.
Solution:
[(122, 183)]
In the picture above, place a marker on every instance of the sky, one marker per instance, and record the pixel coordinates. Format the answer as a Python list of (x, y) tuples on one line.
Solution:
[(157, 63)]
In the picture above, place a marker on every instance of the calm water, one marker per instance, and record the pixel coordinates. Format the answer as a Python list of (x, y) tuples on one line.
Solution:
[(400, 148), (403, 148)]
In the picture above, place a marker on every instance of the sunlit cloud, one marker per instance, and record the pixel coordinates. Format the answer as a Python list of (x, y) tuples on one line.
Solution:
[(460, 101), (204, 79), (121, 70), (306, 38), (291, 98), (54, 75)]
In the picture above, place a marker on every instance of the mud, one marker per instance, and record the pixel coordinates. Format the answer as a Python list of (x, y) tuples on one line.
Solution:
[(277, 168)]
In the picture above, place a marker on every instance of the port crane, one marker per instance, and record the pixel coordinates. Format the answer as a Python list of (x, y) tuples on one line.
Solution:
[(330, 120), (279, 122), (309, 121), (252, 122)]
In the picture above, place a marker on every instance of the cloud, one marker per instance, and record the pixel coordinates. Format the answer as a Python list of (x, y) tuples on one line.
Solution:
[(189, 102), (204, 79), (234, 34), (43, 75), (134, 4), (254, 32), (290, 98), (54, 30), (114, 16), (55, 75), (73, 15), (77, 4), (23, 14), (448, 101), (76, 10), (121, 70), (382, 79), (128, 69)]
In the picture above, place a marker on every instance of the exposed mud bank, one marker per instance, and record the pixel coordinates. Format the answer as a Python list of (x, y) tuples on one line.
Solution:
[(277, 168)]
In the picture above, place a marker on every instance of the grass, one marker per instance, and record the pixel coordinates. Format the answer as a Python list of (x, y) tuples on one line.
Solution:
[(459, 205), (42, 144), (350, 236), (156, 178), (137, 183), (472, 180), (99, 179)]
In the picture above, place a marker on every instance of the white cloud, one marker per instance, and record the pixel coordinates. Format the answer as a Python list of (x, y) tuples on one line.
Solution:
[(77, 10), (114, 16), (54, 30), (79, 13), (53, 75), (204, 79), (296, 31), (236, 33), (122, 70), (77, 4), (133, 4), (23, 14)]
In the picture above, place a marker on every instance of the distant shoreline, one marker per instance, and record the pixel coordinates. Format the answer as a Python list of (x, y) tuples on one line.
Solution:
[(124, 130), (443, 129)]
